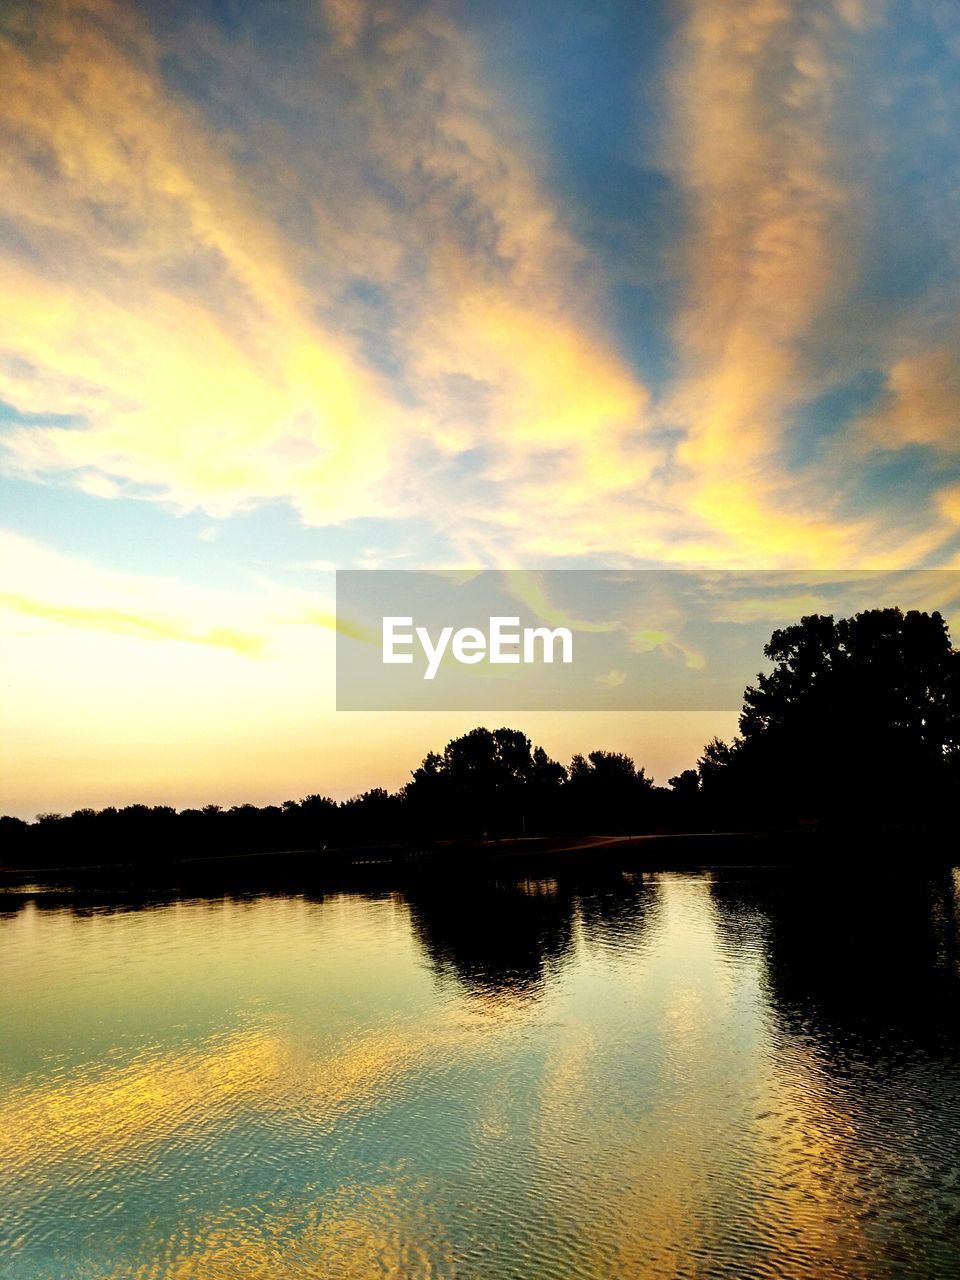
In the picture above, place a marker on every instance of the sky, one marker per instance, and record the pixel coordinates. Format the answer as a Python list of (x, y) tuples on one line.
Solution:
[(293, 286)]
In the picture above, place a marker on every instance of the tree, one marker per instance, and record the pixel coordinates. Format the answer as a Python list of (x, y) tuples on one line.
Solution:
[(683, 802), (607, 792), (373, 817), (486, 781), (14, 840), (686, 785), (859, 720)]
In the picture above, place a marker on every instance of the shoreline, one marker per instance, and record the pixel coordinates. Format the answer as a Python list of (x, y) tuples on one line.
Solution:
[(446, 861)]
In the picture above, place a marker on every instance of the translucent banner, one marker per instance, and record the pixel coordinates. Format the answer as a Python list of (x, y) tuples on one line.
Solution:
[(585, 640)]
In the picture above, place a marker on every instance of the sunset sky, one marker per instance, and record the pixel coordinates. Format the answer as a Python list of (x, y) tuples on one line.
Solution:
[(293, 286)]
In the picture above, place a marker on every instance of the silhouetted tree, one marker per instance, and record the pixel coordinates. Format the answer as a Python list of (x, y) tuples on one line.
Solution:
[(375, 817), (485, 782), (683, 805), (607, 792), (686, 785), (859, 721), (15, 835)]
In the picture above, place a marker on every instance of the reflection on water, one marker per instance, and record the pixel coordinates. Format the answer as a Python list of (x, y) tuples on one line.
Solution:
[(636, 1076)]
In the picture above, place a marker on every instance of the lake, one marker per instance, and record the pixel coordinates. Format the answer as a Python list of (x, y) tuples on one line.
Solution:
[(734, 1073)]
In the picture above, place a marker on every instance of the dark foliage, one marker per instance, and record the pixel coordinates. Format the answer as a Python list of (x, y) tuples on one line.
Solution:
[(859, 721)]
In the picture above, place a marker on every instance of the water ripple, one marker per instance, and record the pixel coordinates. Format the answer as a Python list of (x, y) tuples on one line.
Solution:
[(672, 1076)]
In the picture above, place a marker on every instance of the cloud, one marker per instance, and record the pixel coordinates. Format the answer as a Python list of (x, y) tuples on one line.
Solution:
[(949, 501), (769, 251), (329, 264), (211, 359), (530, 590), (119, 622), (47, 589), (504, 341), (647, 640), (343, 626), (921, 403), (151, 296)]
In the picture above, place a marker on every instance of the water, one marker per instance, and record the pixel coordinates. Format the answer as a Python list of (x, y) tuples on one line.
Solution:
[(724, 1074)]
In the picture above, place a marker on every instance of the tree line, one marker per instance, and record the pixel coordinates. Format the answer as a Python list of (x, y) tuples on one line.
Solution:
[(856, 724)]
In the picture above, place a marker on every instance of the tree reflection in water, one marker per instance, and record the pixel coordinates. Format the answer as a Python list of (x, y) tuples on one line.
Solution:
[(512, 938)]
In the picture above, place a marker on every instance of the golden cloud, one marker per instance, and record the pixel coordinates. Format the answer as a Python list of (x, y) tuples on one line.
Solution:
[(120, 622), (209, 356), (922, 403)]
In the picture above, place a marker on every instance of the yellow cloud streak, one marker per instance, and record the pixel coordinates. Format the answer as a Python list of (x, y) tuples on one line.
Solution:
[(343, 626), (117, 622), (768, 252)]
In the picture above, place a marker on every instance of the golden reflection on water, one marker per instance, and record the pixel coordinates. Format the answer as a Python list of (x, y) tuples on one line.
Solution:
[(109, 1114), (676, 1184), (640, 1106), (185, 1097), (103, 1116), (379, 1239)]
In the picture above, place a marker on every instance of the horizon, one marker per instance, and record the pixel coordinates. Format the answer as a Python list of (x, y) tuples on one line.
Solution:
[(778, 662), (404, 772)]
